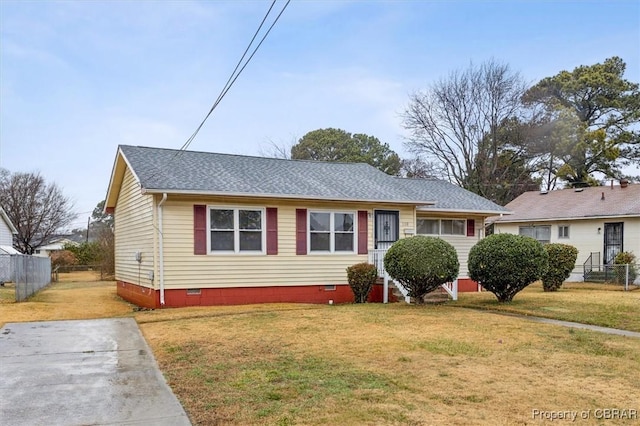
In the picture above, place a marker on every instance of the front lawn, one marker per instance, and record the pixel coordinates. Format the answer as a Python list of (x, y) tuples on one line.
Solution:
[(372, 364), (598, 304), (384, 364)]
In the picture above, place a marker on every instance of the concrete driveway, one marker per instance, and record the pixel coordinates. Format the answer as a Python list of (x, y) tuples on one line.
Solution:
[(89, 372)]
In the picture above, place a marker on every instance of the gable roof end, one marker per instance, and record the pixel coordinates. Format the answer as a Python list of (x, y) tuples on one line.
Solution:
[(5, 217)]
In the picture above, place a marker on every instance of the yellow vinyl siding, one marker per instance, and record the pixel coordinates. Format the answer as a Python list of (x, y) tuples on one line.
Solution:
[(134, 232), (183, 269), (461, 243)]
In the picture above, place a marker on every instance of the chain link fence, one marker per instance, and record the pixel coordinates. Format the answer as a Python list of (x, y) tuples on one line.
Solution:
[(625, 275), (29, 273), (6, 271), (80, 273)]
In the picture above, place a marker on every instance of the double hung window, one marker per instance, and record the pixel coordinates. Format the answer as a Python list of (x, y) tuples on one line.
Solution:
[(563, 231), (331, 231), (236, 230)]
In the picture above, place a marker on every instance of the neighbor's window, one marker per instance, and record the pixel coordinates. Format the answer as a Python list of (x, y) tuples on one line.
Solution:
[(236, 230), (563, 231), (540, 233), (441, 226), (331, 232)]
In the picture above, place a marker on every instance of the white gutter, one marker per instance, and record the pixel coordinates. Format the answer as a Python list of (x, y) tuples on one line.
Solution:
[(421, 209), (282, 196), (507, 220), (161, 248)]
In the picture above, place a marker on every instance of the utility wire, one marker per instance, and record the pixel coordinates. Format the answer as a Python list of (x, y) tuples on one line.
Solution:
[(232, 78)]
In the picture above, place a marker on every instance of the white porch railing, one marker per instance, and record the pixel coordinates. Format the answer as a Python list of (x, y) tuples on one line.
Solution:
[(376, 257)]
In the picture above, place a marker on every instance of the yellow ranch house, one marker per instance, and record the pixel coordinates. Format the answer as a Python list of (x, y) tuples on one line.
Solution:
[(200, 228)]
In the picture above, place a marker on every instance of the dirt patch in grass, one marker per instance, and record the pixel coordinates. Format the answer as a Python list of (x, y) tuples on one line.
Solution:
[(597, 304)]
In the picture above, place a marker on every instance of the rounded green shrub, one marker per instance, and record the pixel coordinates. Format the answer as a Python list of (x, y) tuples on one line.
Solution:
[(422, 264), (505, 264), (562, 260), (625, 258), (361, 277)]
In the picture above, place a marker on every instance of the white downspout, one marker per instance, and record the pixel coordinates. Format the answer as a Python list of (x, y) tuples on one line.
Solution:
[(161, 248)]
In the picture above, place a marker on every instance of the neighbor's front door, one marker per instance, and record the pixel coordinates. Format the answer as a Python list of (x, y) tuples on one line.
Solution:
[(387, 224), (613, 234)]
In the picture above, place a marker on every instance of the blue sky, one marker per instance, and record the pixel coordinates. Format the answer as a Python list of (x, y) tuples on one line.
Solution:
[(77, 78)]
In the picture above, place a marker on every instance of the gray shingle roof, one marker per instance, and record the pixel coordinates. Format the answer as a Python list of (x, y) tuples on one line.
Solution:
[(449, 197), (596, 201), (167, 170)]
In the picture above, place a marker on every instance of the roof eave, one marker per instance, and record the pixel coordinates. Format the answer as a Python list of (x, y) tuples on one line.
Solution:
[(281, 196), (552, 219), (483, 212)]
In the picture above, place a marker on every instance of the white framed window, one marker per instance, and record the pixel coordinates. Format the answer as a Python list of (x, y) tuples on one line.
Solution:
[(453, 227), (331, 232), (563, 231), (428, 226), (541, 233), (236, 230), (441, 226)]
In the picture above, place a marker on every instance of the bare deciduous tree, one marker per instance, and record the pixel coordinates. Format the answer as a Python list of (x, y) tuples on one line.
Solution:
[(277, 150), (416, 168), (456, 124), (37, 209), (102, 226)]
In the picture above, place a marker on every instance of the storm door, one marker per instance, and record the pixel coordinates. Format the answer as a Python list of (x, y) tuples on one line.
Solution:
[(387, 223), (613, 234)]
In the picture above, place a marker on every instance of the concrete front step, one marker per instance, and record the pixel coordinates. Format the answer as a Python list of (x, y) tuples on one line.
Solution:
[(435, 297)]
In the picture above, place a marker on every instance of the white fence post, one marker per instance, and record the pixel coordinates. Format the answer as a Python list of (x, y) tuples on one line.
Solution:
[(385, 295), (626, 277)]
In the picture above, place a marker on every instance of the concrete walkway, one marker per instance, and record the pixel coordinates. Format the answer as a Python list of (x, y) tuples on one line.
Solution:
[(89, 372), (597, 328)]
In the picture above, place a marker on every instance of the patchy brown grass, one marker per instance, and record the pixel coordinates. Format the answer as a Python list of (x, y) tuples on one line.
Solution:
[(598, 304), (79, 276), (65, 300), (377, 364), (365, 364)]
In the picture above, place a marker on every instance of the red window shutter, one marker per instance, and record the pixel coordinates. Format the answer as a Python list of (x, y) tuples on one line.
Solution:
[(301, 231), (363, 231), (199, 229), (471, 227), (272, 230)]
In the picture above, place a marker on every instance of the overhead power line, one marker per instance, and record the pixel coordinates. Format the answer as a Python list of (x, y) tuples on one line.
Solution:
[(236, 73), (230, 81)]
